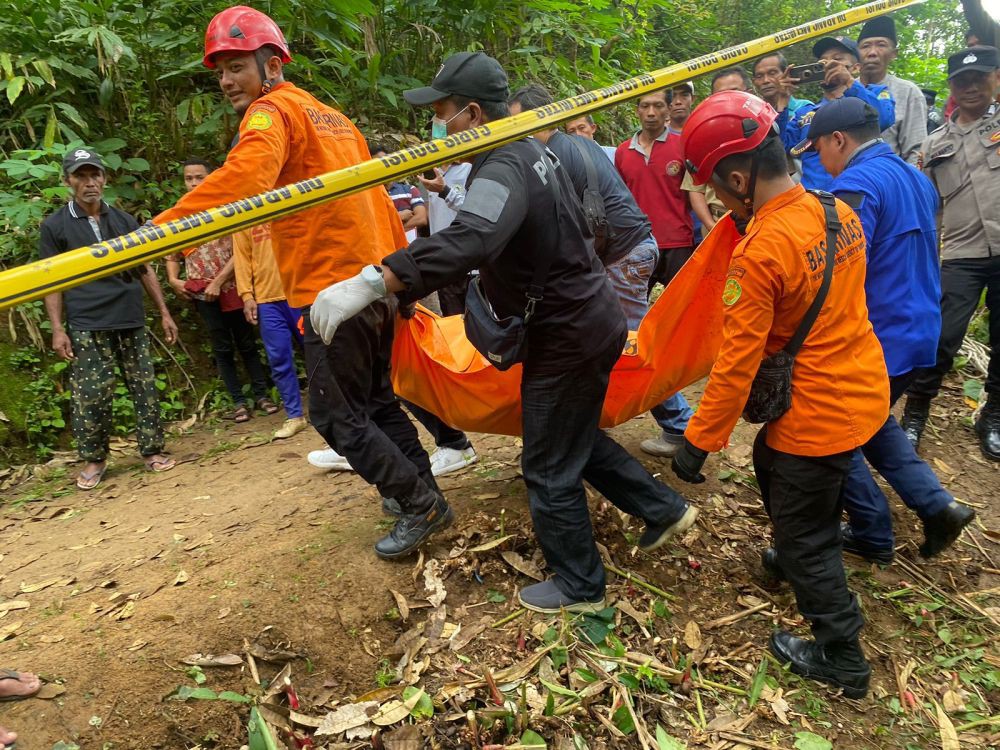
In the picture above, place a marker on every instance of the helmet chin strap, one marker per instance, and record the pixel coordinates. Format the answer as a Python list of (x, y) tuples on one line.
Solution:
[(745, 198)]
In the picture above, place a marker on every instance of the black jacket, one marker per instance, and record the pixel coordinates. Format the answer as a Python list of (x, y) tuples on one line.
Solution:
[(510, 220)]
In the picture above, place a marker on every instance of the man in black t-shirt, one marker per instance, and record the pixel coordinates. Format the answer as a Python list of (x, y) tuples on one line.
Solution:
[(520, 210), (105, 324)]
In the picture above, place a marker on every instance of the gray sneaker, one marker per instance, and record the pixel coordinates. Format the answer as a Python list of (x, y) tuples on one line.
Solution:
[(664, 446), (655, 537), (545, 597)]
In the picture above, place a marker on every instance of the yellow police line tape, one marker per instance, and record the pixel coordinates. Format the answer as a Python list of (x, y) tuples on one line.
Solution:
[(34, 280)]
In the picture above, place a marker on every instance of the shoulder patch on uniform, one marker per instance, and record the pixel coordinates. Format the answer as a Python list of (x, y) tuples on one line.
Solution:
[(852, 199), (486, 198), (259, 105), (884, 94), (259, 121), (732, 292)]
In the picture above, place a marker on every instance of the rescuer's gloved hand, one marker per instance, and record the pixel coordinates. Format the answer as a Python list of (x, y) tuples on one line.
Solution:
[(345, 299), (687, 463)]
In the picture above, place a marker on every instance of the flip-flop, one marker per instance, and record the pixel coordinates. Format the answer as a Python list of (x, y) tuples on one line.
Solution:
[(267, 406), (84, 482), (12, 674), (160, 464), (241, 414)]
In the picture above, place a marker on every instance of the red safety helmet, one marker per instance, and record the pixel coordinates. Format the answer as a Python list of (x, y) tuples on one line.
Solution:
[(242, 29), (727, 123)]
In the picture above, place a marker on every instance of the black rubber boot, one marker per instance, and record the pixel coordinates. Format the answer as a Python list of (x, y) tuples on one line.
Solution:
[(413, 529), (943, 528), (842, 665), (914, 420), (988, 428), (872, 554), (769, 562)]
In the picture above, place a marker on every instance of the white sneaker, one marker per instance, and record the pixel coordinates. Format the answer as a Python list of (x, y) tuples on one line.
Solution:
[(447, 460), (329, 459)]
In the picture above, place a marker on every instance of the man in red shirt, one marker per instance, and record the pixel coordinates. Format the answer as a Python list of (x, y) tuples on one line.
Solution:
[(652, 165)]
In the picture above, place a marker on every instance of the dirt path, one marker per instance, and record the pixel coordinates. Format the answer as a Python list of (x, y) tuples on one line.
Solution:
[(245, 535)]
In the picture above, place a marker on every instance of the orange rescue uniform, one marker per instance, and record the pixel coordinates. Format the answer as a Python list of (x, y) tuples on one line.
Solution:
[(839, 384), (286, 136), (256, 271)]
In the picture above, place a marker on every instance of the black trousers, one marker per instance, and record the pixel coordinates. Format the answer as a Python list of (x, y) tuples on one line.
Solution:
[(351, 404), (802, 497), (563, 446), (445, 436), (230, 333), (962, 284), (668, 264)]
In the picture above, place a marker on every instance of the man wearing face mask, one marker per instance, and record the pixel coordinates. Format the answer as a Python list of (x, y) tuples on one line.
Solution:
[(839, 388), (287, 135), (840, 56), (522, 227)]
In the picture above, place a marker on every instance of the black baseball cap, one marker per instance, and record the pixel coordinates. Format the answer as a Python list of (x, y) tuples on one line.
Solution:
[(474, 75), (846, 113), (831, 42), (882, 26), (981, 58), (78, 157), (929, 94)]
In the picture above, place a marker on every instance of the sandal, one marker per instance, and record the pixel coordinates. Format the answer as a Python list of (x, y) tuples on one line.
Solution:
[(160, 463), (267, 406), (240, 414), (11, 674), (84, 481)]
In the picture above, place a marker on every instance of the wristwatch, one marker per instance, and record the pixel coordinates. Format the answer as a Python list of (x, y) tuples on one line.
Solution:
[(443, 193), (373, 277)]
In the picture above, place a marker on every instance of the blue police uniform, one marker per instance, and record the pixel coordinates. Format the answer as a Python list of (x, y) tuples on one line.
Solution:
[(794, 128), (897, 206)]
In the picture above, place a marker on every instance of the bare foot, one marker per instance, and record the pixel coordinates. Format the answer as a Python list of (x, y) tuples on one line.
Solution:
[(16, 685), (7, 738)]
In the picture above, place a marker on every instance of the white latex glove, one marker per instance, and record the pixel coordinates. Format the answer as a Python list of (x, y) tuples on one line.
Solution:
[(341, 301)]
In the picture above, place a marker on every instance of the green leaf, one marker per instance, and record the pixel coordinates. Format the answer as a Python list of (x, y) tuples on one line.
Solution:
[(622, 719), (531, 739), (560, 689), (14, 88), (44, 71), (585, 675), (424, 708), (229, 695), (550, 704), (972, 388), (495, 596), (105, 91), (757, 685), (196, 674), (186, 692), (810, 741), (945, 635), (665, 742), (5, 64), (51, 124), (136, 164)]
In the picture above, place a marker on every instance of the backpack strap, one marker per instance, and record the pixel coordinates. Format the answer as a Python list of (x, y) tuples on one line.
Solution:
[(832, 230)]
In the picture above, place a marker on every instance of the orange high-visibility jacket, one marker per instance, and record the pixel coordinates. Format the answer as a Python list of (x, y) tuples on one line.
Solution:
[(840, 388), (286, 136)]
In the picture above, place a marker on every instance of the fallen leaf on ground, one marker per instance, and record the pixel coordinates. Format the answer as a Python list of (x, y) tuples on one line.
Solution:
[(692, 635), (50, 690), (205, 540), (396, 710), (210, 660), (136, 645), (30, 588), (401, 605), (522, 565), (491, 544), (433, 583), (347, 717), (953, 701), (12, 605), (949, 737), (223, 613), (182, 577), (8, 630), (407, 737), (51, 638), (780, 707)]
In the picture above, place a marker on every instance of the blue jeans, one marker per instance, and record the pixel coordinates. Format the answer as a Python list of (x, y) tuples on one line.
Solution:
[(563, 446), (629, 278), (279, 328), (892, 456)]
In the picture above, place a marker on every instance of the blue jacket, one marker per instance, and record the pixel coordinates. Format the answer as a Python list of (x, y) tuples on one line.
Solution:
[(795, 126), (897, 205)]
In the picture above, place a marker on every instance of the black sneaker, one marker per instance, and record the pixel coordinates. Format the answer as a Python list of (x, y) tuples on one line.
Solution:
[(988, 429), (914, 419), (880, 555), (944, 527), (842, 665), (769, 562), (413, 529), (545, 597), (655, 537)]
